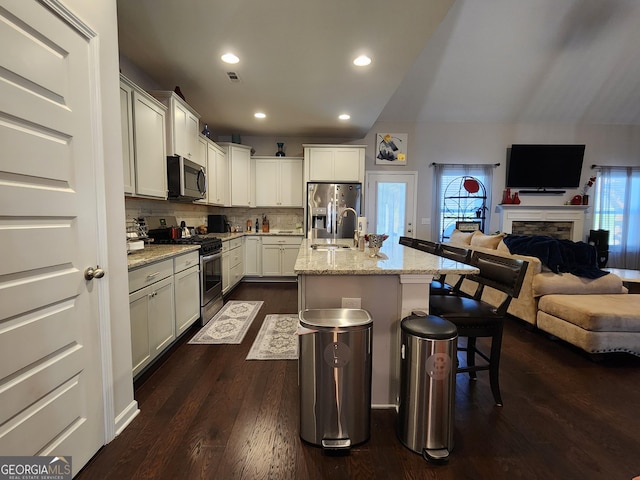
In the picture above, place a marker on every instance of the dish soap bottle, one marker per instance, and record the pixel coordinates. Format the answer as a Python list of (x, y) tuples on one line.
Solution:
[(257, 226)]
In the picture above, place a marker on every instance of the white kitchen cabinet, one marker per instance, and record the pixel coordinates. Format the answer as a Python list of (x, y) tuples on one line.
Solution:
[(241, 188), (143, 142), (232, 263), (252, 256), (279, 254), (279, 182), (187, 290), (182, 125), (218, 168), (334, 163), (151, 305), (201, 152)]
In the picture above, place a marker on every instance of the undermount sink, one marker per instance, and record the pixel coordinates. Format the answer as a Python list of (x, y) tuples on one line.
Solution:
[(285, 231), (329, 246)]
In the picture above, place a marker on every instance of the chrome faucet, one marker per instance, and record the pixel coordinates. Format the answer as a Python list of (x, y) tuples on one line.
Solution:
[(343, 215)]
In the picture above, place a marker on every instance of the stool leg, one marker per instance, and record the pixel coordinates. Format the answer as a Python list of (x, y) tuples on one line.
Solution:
[(471, 356), (494, 365)]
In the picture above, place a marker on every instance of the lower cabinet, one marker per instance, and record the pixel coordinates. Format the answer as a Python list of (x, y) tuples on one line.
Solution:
[(279, 255), (164, 300), (186, 284), (252, 256), (232, 263), (152, 313)]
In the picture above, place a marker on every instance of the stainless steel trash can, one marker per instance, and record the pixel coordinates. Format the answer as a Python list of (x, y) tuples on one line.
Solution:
[(427, 385), (334, 377)]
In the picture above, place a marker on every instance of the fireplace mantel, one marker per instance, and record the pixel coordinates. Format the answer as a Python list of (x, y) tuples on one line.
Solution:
[(547, 213)]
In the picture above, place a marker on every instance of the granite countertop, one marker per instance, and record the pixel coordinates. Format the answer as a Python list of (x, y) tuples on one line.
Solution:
[(155, 253), (230, 236), (396, 259)]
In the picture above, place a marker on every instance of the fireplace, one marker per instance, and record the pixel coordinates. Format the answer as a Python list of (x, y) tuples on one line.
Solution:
[(561, 230), (562, 221)]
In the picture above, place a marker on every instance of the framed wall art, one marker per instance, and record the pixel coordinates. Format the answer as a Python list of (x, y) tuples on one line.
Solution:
[(391, 149)]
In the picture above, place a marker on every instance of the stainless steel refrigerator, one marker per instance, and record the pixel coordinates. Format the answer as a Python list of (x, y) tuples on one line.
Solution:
[(333, 209)]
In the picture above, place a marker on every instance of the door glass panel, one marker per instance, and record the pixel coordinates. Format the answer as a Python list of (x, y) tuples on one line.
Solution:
[(390, 215)]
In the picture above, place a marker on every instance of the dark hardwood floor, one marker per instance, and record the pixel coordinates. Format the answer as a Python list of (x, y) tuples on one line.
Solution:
[(208, 413)]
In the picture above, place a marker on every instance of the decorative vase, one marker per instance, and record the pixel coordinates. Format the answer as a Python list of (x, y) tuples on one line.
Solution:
[(280, 152), (506, 197), (516, 199), (375, 242), (585, 199), (205, 131)]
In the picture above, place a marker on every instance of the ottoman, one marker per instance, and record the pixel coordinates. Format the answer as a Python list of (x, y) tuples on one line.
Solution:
[(595, 323)]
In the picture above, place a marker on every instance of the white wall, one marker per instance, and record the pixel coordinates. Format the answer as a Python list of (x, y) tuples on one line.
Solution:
[(488, 143)]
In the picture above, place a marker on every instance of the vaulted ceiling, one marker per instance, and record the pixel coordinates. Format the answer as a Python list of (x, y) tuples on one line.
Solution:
[(499, 61)]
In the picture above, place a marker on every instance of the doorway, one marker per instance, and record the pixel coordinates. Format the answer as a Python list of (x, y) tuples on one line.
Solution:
[(391, 203)]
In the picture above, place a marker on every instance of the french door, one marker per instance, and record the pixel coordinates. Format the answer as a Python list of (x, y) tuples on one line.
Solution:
[(391, 203)]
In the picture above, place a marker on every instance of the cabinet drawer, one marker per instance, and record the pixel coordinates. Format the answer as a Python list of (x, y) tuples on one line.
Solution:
[(235, 274), (281, 240), (185, 261), (143, 276), (235, 243), (235, 257)]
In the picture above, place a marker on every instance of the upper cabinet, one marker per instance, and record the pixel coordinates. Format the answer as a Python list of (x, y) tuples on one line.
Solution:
[(218, 168), (183, 124), (279, 181), (242, 192), (143, 142), (334, 163)]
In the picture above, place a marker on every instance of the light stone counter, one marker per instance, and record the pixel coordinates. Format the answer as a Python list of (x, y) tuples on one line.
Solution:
[(155, 253), (229, 236), (389, 288), (395, 259)]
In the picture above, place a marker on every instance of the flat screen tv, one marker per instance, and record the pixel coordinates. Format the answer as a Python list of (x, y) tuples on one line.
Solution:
[(544, 167)]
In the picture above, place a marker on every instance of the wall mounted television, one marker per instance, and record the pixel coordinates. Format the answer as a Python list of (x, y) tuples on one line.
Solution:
[(543, 167)]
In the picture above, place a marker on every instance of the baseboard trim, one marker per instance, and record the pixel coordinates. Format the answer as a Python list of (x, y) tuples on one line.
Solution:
[(126, 417)]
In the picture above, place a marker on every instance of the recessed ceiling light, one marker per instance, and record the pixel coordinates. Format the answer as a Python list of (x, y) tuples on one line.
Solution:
[(229, 58), (362, 61), (260, 115), (344, 116)]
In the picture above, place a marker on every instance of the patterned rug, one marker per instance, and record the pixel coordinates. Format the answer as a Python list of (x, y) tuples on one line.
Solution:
[(230, 324), (277, 339)]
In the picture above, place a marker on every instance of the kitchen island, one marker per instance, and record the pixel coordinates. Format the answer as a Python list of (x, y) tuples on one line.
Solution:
[(389, 287)]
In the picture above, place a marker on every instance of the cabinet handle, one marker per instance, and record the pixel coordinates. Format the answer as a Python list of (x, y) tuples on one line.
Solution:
[(151, 276)]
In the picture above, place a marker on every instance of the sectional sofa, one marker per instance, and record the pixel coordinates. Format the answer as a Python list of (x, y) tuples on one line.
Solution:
[(597, 315)]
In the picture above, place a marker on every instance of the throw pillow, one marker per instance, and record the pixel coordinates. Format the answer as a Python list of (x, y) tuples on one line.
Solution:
[(462, 238), (486, 241)]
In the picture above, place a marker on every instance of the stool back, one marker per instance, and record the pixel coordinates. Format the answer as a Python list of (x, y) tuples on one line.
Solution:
[(500, 273), (457, 254), (426, 246)]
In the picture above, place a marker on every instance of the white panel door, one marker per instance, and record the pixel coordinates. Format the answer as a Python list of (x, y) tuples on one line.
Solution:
[(50, 377)]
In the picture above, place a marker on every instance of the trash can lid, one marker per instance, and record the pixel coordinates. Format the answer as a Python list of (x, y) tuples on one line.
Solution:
[(335, 317), (429, 326)]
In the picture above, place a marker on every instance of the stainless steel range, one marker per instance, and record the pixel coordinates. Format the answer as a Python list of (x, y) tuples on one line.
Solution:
[(165, 230)]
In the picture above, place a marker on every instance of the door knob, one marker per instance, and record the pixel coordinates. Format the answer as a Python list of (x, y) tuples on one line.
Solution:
[(90, 273)]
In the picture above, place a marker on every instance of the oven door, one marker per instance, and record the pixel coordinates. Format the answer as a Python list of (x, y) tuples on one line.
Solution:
[(210, 278)]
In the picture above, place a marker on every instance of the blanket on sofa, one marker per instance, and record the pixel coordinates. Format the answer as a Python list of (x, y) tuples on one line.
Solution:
[(561, 256)]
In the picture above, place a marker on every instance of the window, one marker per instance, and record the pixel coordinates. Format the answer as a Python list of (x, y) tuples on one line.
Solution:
[(445, 177), (617, 209)]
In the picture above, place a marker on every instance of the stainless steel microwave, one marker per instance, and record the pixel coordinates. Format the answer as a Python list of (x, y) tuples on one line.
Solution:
[(186, 180)]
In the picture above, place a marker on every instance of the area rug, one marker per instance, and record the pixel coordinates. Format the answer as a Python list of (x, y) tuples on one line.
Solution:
[(230, 324), (277, 339)]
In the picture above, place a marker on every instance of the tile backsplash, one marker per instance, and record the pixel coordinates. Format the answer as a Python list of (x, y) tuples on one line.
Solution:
[(194, 214)]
